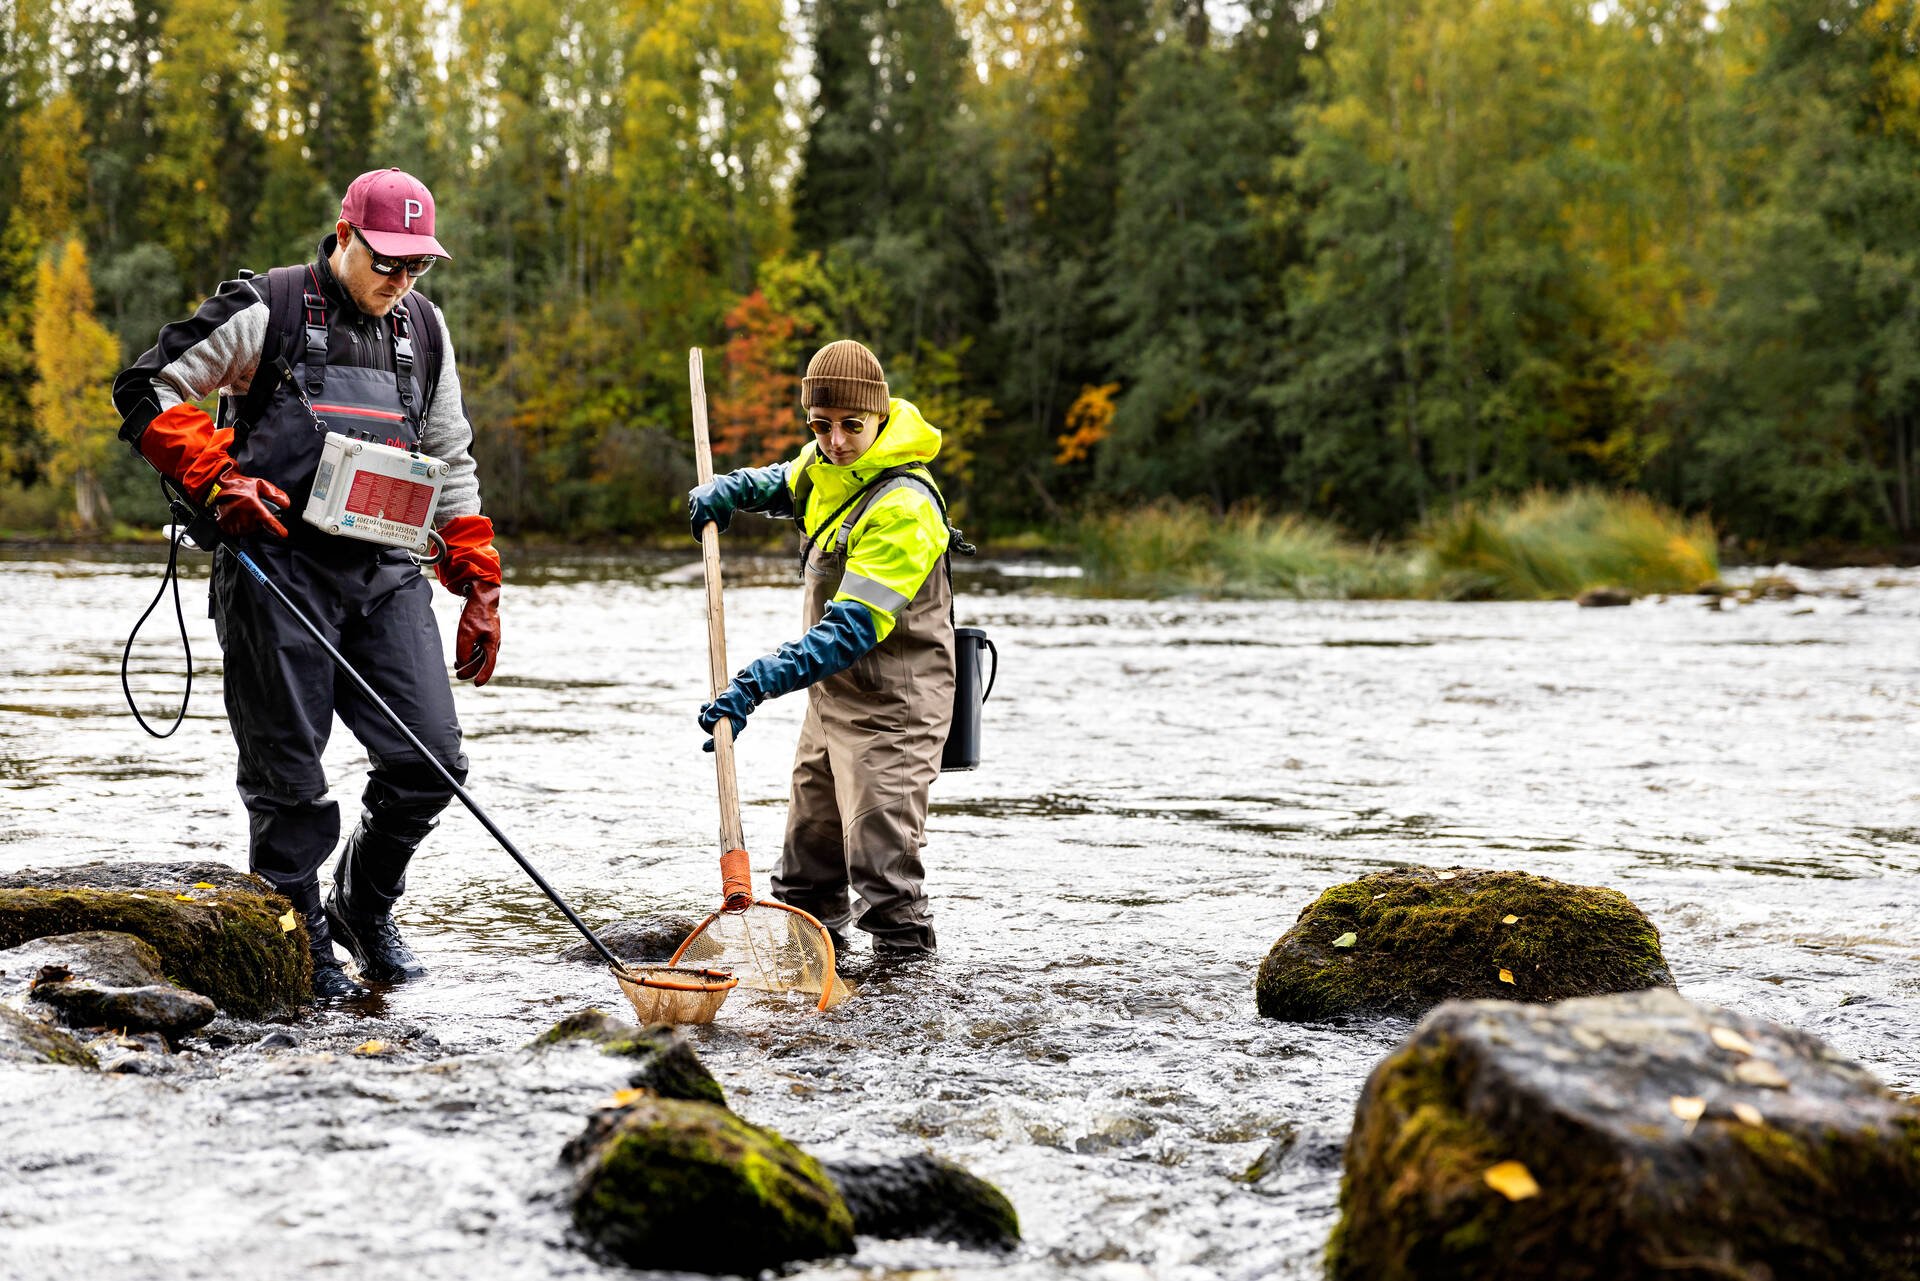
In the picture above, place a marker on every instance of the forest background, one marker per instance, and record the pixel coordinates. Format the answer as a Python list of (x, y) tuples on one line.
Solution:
[(1357, 259)]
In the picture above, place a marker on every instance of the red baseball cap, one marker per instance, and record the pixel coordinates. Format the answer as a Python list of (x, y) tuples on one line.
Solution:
[(394, 211)]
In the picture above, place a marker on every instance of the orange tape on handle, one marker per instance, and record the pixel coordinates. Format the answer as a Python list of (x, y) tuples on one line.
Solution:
[(736, 881)]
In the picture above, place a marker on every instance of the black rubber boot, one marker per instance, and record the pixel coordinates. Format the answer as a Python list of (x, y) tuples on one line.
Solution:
[(374, 942), (330, 979), (370, 878)]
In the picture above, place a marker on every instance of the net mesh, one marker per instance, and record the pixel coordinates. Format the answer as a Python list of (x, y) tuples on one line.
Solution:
[(669, 994), (769, 947)]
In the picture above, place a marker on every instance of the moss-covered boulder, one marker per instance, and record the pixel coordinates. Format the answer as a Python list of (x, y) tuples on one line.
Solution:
[(668, 1066), (1401, 942), (926, 1196), (25, 1040), (229, 942), (1625, 1136), (676, 1185)]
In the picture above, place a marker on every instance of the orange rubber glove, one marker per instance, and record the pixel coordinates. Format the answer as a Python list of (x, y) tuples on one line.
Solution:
[(240, 505), (184, 446), (471, 568)]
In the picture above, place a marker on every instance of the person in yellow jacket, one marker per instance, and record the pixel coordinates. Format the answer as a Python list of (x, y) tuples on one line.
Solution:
[(877, 659)]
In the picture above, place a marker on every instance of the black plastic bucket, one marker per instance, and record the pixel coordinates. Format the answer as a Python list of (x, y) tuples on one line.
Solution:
[(972, 684)]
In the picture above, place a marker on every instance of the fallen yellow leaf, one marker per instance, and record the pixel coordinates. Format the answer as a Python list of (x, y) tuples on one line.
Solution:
[(622, 1098), (1506, 976), (1686, 1108), (203, 885), (289, 923), (370, 1047), (1512, 1180), (184, 898), (1728, 1039), (1762, 1073), (1749, 1113), (1508, 919), (1347, 940)]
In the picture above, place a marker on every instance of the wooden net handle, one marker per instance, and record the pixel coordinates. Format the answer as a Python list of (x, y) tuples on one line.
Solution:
[(732, 839)]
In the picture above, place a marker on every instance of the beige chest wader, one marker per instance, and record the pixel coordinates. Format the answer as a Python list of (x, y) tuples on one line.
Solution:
[(869, 751)]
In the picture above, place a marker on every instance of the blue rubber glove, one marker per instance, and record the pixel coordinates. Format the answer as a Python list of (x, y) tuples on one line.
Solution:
[(751, 489), (842, 635)]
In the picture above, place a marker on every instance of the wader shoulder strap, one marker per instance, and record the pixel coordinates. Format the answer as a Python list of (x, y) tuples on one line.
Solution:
[(290, 290), (885, 482)]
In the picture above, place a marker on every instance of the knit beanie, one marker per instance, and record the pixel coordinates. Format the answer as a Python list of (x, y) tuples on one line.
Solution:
[(844, 375)]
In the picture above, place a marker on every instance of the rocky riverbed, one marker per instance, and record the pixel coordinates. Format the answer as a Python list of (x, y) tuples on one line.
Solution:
[(1167, 786)]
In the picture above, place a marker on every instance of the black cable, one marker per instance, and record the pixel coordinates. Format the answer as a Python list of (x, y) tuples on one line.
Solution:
[(172, 576)]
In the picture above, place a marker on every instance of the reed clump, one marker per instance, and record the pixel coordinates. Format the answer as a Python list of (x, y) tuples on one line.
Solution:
[(1187, 548), (1551, 546), (1541, 546)]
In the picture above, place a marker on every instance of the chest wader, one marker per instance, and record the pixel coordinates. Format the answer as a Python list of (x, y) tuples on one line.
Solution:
[(371, 604), (868, 754)]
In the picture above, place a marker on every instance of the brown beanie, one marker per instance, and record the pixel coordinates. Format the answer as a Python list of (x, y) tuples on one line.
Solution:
[(844, 375)]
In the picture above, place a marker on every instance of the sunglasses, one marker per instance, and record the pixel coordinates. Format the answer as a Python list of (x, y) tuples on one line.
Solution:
[(852, 424), (385, 266)]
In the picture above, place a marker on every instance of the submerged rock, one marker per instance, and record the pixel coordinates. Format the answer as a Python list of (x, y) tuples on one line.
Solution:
[(155, 1007), (105, 956), (1625, 1136), (669, 1065), (678, 1185), (25, 1040), (926, 1196), (646, 939), (1604, 598), (1401, 942), (228, 942)]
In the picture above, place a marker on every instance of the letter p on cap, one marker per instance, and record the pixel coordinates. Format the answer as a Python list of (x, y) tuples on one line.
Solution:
[(414, 210)]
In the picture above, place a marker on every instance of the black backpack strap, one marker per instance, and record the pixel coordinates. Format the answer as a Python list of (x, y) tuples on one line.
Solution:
[(285, 285), (430, 344)]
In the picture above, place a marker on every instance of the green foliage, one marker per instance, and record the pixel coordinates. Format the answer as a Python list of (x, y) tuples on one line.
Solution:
[(1552, 546), (1363, 260), (1171, 548), (1541, 547)]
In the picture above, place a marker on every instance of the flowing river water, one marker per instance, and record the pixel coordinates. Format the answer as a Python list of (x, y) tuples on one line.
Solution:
[(1166, 785)]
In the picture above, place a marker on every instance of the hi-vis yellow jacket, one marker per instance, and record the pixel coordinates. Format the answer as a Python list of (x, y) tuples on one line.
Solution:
[(900, 537)]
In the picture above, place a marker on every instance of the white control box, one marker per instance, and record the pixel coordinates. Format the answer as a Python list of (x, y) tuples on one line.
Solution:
[(376, 493)]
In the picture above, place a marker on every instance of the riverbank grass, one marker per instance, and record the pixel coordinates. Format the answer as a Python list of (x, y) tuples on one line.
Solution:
[(1175, 549), (1542, 546), (1548, 546)]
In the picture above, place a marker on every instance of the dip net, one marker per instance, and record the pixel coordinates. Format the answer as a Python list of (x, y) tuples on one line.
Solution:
[(769, 947)]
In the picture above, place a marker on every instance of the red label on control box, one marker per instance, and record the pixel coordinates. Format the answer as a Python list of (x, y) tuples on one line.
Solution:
[(389, 497)]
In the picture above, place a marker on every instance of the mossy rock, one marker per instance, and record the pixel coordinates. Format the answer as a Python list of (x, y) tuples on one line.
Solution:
[(25, 1040), (926, 1196), (119, 874), (1401, 942), (591, 1024), (227, 944), (677, 1185), (669, 1066), (1661, 1139)]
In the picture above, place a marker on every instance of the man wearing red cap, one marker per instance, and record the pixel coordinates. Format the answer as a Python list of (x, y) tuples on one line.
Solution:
[(340, 344)]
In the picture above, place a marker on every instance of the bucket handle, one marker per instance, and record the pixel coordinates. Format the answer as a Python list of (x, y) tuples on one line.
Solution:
[(996, 668)]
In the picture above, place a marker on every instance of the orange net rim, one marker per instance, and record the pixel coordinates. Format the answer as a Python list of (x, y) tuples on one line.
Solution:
[(695, 980), (826, 940)]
